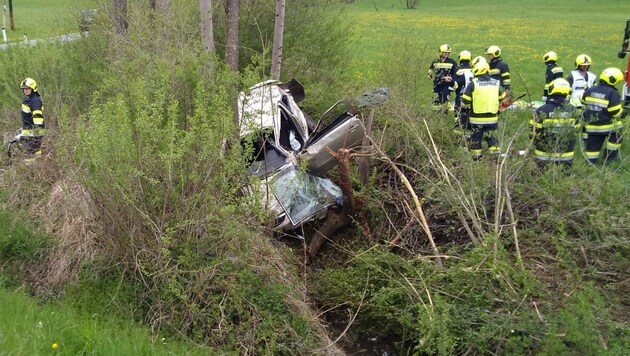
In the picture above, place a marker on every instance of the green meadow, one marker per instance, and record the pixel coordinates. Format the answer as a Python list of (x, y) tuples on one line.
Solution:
[(524, 30), (29, 328), (45, 18)]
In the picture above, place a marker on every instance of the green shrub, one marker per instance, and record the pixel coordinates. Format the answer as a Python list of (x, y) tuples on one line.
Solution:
[(18, 243)]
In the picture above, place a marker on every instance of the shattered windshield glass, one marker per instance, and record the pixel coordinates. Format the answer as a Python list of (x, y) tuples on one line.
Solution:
[(302, 194)]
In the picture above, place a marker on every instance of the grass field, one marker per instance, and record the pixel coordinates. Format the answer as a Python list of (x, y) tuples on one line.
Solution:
[(31, 329), (45, 18), (524, 30)]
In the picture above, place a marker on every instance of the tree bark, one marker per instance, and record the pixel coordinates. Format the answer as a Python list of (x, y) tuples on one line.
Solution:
[(278, 35), (336, 219), (120, 15), (231, 51), (207, 29)]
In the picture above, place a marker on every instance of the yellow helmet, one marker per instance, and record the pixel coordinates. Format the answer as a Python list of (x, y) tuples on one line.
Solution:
[(478, 59), (445, 49), (480, 69), (550, 56), (559, 87), (582, 60), (611, 76), (495, 51), (29, 83), (464, 56)]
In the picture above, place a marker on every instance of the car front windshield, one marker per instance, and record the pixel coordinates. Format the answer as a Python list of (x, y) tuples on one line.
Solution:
[(303, 194)]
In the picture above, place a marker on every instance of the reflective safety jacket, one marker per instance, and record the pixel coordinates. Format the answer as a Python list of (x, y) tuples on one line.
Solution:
[(553, 130), (579, 82), (483, 94), (553, 71), (32, 115), (441, 69), (500, 71), (602, 105), (462, 78)]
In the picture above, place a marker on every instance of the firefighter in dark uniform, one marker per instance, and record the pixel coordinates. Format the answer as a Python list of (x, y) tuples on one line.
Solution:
[(499, 70), (32, 118), (462, 77), (483, 95), (554, 71), (600, 123), (441, 71), (553, 126)]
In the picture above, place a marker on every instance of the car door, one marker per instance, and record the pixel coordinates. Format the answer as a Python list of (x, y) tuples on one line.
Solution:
[(346, 131)]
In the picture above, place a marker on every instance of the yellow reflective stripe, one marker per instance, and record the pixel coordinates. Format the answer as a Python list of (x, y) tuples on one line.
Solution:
[(615, 110), (600, 128), (536, 124), (443, 65), (483, 120), (27, 132), (37, 112), (592, 154), (612, 146), (557, 70), (38, 120), (556, 156), (559, 122), (596, 101), (26, 108)]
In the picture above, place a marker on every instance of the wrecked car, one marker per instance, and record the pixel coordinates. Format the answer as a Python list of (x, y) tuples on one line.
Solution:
[(289, 152)]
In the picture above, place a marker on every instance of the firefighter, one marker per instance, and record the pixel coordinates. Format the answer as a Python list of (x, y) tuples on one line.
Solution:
[(499, 70), (462, 77), (553, 126), (554, 71), (602, 108), (32, 118), (483, 95), (441, 71), (580, 79)]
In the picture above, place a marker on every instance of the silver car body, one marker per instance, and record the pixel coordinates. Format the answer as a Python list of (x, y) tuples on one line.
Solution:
[(269, 113)]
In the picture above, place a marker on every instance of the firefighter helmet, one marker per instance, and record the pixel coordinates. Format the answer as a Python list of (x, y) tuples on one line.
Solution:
[(464, 56), (495, 51), (29, 83), (481, 68), (445, 49), (611, 76), (582, 60), (477, 60), (559, 86), (550, 56)]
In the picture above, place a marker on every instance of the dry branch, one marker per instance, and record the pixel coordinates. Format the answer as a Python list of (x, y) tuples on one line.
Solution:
[(416, 200), (337, 219)]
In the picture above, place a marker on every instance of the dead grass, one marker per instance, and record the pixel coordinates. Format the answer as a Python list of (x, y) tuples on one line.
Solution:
[(70, 216)]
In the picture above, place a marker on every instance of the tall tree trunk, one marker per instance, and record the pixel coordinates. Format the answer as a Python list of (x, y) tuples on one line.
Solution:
[(278, 33), (231, 51), (120, 15), (207, 29)]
